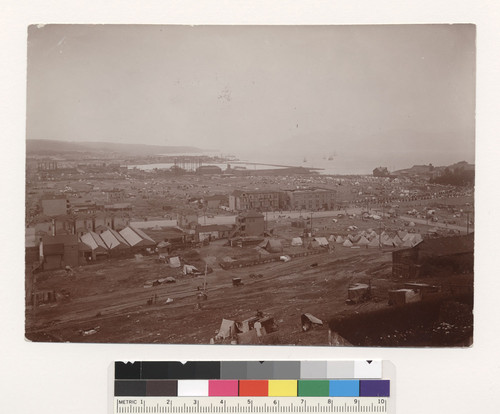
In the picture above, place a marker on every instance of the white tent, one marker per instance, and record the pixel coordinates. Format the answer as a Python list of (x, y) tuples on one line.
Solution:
[(339, 239), (385, 238), (347, 243), (331, 238), (297, 241), (374, 243), (363, 241), (407, 243), (402, 234), (321, 241), (408, 236), (387, 242), (412, 240), (396, 240)]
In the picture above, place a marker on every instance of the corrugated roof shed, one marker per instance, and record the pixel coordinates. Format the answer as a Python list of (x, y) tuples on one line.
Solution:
[(130, 236), (113, 239), (94, 241), (444, 246), (143, 235)]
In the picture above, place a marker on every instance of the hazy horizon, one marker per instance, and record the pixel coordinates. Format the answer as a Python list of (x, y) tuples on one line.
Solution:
[(373, 95)]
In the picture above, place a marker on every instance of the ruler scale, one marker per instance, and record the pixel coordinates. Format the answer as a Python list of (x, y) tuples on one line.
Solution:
[(253, 387)]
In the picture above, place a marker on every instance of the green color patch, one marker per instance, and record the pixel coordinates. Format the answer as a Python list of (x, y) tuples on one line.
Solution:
[(313, 388)]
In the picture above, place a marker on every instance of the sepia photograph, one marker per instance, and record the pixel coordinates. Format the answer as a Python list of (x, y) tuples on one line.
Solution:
[(250, 185)]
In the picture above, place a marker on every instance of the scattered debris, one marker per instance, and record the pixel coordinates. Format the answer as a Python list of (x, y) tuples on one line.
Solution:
[(359, 292), (257, 329), (174, 262), (92, 331), (161, 259), (404, 296), (334, 339), (190, 270), (308, 321)]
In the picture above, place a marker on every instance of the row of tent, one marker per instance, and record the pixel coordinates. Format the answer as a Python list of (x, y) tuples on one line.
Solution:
[(364, 238), (372, 239), (113, 241)]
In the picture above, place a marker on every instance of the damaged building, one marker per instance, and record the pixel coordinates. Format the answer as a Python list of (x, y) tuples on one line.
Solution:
[(444, 255)]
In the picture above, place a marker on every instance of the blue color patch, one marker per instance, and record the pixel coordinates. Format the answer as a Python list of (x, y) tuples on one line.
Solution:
[(344, 388)]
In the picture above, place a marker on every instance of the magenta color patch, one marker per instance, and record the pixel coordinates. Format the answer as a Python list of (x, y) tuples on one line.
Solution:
[(223, 388)]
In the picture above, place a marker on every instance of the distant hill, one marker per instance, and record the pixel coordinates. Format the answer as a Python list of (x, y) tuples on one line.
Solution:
[(430, 169), (42, 146)]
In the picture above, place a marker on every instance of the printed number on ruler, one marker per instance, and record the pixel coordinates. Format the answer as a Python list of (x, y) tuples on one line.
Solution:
[(178, 405)]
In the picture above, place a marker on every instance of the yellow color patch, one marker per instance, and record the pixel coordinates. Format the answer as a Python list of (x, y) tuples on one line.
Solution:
[(282, 388)]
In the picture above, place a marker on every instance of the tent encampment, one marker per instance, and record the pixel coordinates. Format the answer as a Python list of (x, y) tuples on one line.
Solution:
[(347, 243), (363, 241), (396, 241), (402, 234), (322, 241), (273, 246), (297, 241), (374, 243)]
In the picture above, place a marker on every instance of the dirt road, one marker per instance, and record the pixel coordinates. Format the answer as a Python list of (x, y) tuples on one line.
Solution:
[(115, 305)]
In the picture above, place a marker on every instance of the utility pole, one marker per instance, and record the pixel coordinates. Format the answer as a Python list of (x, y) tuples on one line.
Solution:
[(205, 279), (379, 235), (467, 222), (311, 223)]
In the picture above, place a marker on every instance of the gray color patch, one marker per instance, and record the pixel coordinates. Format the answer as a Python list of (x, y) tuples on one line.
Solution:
[(286, 370), (259, 370), (233, 370), (340, 369), (313, 370)]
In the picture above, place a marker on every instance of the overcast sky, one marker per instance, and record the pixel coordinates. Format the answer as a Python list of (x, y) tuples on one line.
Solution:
[(374, 95)]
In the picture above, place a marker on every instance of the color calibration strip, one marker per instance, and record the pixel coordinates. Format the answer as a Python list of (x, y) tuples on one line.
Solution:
[(251, 379)]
